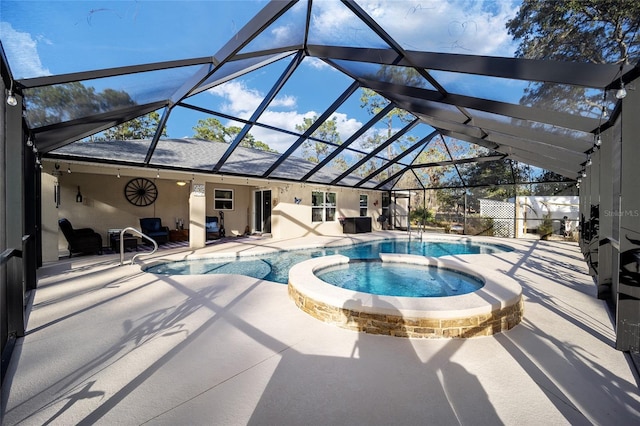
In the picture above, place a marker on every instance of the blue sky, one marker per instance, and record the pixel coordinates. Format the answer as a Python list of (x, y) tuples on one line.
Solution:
[(55, 37)]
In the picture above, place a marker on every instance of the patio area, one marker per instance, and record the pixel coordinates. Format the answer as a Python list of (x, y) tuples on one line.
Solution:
[(110, 344)]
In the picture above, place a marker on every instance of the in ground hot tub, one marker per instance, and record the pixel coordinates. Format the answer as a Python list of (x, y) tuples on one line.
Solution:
[(496, 307)]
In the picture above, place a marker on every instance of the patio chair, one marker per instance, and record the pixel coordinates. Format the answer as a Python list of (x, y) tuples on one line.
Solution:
[(83, 240), (212, 227), (152, 228)]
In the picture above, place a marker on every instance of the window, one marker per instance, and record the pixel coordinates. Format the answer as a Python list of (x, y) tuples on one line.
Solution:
[(364, 204), (323, 206), (223, 199)]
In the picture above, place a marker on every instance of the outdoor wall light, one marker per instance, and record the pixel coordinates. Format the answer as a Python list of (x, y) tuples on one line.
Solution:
[(79, 196), (11, 99), (118, 175), (620, 94)]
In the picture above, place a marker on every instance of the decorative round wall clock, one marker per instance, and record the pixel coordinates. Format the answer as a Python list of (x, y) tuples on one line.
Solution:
[(141, 192)]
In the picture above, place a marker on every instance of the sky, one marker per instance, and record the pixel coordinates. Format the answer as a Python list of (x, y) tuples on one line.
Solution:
[(56, 37)]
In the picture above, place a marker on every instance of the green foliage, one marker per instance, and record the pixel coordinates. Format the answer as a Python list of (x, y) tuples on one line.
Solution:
[(373, 103), (592, 31), (545, 229), (421, 215), (53, 104), (316, 150), (139, 128), (479, 225), (211, 129), (249, 141)]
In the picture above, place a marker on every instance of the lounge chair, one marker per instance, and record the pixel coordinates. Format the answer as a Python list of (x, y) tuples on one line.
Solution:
[(83, 240), (212, 227), (152, 227)]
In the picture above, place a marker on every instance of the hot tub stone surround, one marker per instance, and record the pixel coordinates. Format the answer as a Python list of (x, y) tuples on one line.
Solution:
[(496, 307)]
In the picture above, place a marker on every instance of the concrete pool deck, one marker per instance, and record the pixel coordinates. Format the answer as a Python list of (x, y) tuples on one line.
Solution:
[(109, 344)]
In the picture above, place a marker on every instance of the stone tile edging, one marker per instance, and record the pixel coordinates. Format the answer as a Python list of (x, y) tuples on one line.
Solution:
[(496, 307)]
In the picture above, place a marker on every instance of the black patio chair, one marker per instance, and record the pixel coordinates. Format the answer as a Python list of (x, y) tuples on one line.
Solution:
[(152, 227), (83, 240)]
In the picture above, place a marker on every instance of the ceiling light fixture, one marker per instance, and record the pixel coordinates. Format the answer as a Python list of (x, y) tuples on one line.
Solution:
[(622, 92), (11, 99), (181, 183)]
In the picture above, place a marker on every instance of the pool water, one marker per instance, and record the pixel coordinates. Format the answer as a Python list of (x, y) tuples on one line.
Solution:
[(275, 267), (405, 280)]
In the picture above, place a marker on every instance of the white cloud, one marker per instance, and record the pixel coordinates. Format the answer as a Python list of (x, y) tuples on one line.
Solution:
[(346, 126), (318, 64), (22, 52), (241, 101), (455, 26)]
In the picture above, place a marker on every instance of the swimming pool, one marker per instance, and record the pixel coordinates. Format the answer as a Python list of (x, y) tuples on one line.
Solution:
[(495, 307), (275, 267), (395, 279)]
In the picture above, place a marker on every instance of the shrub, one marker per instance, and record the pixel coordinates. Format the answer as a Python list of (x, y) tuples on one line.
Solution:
[(545, 229), (421, 215)]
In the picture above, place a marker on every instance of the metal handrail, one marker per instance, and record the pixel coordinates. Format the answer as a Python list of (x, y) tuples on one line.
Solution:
[(8, 254), (137, 231)]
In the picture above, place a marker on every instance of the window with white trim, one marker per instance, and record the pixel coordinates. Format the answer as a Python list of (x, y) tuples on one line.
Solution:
[(223, 199), (323, 206), (364, 204)]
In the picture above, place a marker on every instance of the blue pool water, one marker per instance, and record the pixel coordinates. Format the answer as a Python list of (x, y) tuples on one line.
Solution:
[(275, 267), (389, 279)]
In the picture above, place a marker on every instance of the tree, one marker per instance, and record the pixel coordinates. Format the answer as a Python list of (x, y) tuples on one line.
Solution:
[(211, 129), (249, 141), (551, 184), (139, 128), (374, 103), (594, 31), (54, 104), (315, 151)]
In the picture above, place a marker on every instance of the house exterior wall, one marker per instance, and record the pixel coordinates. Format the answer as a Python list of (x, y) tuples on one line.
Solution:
[(236, 220), (105, 207), (291, 220)]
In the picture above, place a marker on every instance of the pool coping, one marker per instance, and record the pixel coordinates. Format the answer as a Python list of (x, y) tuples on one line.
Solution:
[(495, 307), (340, 241)]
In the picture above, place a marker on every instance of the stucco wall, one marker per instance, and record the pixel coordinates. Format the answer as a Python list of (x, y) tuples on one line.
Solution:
[(105, 207), (291, 220), (236, 220)]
